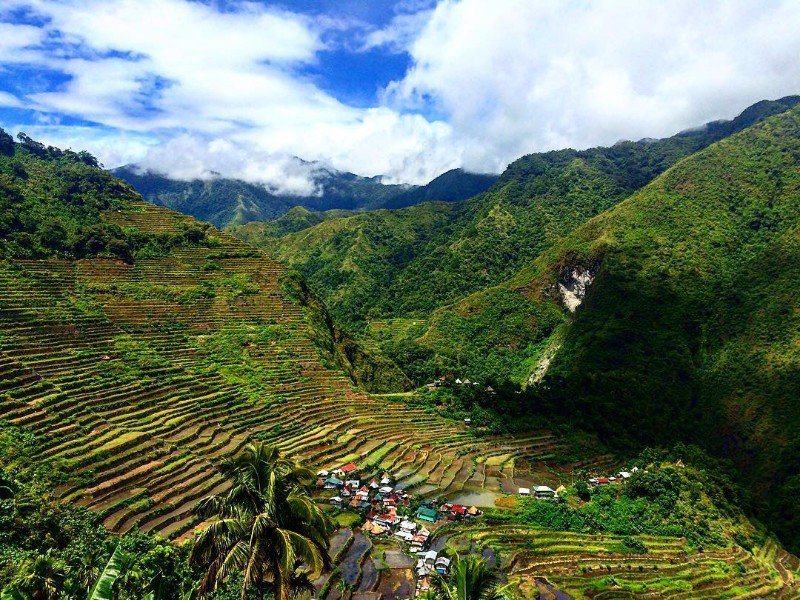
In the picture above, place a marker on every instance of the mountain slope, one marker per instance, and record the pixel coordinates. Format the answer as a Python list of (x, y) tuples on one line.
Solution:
[(352, 261), (137, 372), (223, 201), (687, 323), (486, 239)]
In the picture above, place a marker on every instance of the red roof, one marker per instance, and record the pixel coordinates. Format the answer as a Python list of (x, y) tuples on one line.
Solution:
[(603, 480), (459, 510), (348, 468)]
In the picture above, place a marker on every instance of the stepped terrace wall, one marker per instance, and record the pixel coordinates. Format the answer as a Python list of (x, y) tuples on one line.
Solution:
[(139, 378), (583, 565)]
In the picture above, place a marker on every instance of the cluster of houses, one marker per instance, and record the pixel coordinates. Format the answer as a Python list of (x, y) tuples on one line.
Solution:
[(378, 498), (450, 380), (381, 501), (619, 477), (427, 563)]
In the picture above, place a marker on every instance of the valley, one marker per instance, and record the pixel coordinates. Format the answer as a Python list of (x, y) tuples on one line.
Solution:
[(143, 352)]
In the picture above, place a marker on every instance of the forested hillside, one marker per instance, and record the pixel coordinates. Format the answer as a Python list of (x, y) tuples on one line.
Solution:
[(484, 240), (686, 322)]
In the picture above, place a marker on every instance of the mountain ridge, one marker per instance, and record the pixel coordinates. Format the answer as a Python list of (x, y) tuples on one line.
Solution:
[(483, 240), (226, 201)]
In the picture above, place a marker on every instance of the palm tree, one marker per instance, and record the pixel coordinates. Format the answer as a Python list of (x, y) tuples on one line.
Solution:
[(266, 525), (471, 578), (42, 577)]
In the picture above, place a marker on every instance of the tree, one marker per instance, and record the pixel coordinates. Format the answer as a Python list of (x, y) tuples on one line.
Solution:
[(266, 526), (42, 577), (471, 578), (584, 493), (6, 143)]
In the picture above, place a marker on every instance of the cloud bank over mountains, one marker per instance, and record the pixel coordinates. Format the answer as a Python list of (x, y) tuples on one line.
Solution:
[(189, 88)]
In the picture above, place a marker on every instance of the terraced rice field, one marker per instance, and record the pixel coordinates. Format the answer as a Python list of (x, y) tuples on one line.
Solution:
[(141, 378), (594, 566)]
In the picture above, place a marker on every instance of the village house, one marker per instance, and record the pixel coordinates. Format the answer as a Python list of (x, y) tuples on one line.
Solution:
[(457, 512), (442, 565), (332, 483), (542, 491), (425, 513), (345, 470), (430, 558), (387, 519), (408, 526)]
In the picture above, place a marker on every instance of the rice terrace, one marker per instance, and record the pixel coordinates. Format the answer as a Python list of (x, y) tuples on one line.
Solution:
[(390, 299), (172, 364)]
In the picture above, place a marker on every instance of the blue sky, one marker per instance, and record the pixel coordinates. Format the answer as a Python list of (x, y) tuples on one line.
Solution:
[(407, 89)]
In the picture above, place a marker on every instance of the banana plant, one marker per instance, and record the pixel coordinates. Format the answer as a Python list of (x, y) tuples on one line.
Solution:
[(103, 589)]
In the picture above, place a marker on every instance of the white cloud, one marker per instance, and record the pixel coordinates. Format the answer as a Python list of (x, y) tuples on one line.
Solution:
[(7, 99), (400, 33), (189, 157), (193, 88), (14, 39), (225, 80), (521, 75)]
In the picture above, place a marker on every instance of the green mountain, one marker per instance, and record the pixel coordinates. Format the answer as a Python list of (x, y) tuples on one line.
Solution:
[(450, 186), (353, 261), (685, 323), (224, 201), (412, 262), (139, 349)]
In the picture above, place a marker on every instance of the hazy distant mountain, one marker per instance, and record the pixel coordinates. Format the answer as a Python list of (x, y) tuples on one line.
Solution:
[(224, 201), (450, 186)]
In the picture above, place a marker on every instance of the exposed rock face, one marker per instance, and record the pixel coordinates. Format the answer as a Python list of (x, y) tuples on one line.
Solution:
[(572, 286)]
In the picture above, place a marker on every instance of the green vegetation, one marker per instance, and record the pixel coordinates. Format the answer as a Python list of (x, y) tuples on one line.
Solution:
[(266, 526), (49, 549), (672, 527), (369, 368), (688, 329), (471, 578), (408, 263), (352, 262), (661, 499), (51, 202)]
